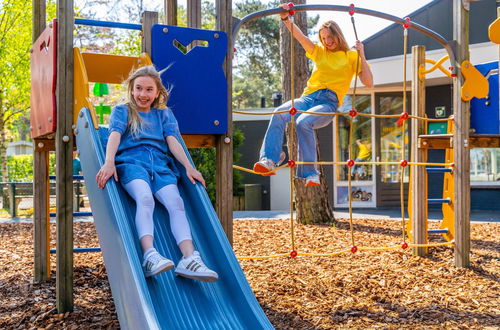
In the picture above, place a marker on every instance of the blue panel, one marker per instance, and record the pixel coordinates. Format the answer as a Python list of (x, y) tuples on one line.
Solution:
[(196, 79), (164, 301), (485, 113)]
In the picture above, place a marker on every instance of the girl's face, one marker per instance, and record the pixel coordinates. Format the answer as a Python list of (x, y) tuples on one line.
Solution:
[(144, 92), (329, 40)]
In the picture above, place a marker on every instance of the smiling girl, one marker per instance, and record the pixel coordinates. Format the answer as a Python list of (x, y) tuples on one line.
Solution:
[(143, 135), (334, 67)]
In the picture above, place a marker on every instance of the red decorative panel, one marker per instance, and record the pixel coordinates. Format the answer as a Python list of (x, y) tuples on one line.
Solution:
[(43, 83)]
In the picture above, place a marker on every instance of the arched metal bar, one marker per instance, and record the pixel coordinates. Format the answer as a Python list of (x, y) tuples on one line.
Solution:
[(412, 25)]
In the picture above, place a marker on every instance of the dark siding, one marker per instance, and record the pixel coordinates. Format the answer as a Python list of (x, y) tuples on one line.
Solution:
[(438, 17), (254, 132), (485, 199), (326, 154)]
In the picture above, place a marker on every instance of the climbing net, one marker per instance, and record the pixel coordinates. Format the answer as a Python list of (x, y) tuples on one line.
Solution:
[(351, 115)]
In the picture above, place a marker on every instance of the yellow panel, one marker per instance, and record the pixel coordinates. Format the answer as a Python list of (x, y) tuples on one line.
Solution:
[(475, 84), (81, 88), (494, 31), (112, 69)]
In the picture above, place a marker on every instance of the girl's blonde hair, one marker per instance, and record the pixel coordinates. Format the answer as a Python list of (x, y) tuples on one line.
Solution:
[(337, 33), (135, 121)]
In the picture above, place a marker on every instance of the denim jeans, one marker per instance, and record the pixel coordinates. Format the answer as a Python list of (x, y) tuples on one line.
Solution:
[(323, 100)]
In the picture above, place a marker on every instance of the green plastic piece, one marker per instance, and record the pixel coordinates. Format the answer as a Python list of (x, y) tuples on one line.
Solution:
[(101, 89)]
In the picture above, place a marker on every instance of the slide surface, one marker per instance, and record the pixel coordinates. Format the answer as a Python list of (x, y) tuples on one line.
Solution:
[(164, 301)]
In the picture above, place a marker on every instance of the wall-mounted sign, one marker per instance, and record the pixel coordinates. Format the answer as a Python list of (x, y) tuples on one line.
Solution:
[(440, 112)]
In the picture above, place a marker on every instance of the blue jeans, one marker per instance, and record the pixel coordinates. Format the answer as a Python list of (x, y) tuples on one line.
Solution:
[(323, 100)]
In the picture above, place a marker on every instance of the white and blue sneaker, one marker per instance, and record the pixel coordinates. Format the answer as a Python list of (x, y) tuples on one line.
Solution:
[(194, 268), (155, 264)]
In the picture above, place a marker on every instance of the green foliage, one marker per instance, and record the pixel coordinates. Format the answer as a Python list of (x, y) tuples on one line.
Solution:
[(257, 60), (20, 167), (204, 159)]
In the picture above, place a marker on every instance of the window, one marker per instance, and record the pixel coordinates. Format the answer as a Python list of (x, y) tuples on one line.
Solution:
[(485, 166)]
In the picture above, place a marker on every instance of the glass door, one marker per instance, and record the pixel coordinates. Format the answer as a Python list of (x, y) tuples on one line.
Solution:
[(390, 148), (362, 176)]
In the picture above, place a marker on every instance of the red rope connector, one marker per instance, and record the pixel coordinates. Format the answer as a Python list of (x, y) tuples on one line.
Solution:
[(403, 163), (452, 165), (404, 246), (354, 249), (293, 254), (404, 116), (291, 11), (293, 111), (353, 113), (451, 70), (351, 12), (406, 25), (350, 163), (291, 163)]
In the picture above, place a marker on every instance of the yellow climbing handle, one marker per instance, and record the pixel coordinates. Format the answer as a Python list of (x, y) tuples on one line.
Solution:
[(475, 84), (436, 65), (494, 31)]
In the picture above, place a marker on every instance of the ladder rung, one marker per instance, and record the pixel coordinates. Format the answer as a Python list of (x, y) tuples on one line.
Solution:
[(438, 200), (81, 250), (438, 170), (438, 231), (75, 214)]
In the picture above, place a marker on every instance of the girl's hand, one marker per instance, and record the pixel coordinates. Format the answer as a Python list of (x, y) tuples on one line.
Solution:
[(107, 170), (359, 46), (193, 176), (284, 6)]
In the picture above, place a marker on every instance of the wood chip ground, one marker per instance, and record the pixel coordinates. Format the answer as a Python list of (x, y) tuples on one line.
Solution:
[(387, 289)]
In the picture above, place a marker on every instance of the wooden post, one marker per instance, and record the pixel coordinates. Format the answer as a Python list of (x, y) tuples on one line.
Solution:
[(41, 193), (64, 156), (194, 13), (41, 198), (148, 19), (224, 159), (171, 12), (419, 177), (461, 111)]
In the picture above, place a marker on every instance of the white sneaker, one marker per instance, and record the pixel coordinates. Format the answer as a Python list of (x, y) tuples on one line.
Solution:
[(312, 180), (193, 267), (155, 264), (265, 165)]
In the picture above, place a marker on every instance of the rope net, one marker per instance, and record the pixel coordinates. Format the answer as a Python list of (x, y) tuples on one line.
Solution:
[(351, 114)]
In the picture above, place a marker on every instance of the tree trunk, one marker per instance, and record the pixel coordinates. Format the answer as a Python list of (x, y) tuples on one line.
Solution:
[(3, 148), (312, 203)]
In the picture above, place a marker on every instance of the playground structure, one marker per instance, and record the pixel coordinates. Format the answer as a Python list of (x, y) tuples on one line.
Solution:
[(68, 111)]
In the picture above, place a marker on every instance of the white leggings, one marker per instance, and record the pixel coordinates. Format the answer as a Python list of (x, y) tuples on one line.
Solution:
[(169, 196)]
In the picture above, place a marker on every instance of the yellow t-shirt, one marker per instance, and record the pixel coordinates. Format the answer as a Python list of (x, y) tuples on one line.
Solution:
[(364, 152), (332, 70)]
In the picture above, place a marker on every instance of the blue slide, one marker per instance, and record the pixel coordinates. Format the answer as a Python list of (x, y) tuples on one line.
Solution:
[(164, 301)]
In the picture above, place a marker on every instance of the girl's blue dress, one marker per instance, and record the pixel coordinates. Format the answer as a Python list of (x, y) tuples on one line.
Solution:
[(145, 156)]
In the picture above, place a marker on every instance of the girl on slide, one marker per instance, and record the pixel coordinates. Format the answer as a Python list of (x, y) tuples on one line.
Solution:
[(143, 132)]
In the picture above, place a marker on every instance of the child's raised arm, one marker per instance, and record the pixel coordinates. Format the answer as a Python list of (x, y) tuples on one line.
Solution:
[(108, 169), (178, 151)]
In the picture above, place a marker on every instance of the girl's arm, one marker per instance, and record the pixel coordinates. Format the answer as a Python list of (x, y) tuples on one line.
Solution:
[(108, 169), (178, 151), (365, 75), (306, 43)]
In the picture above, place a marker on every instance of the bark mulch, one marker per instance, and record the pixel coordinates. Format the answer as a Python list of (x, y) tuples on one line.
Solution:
[(387, 289)]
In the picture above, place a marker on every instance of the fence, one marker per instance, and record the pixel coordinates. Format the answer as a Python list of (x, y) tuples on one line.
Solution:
[(17, 197)]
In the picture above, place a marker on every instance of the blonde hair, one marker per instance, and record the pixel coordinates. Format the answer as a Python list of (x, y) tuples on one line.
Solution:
[(135, 121), (337, 33)]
